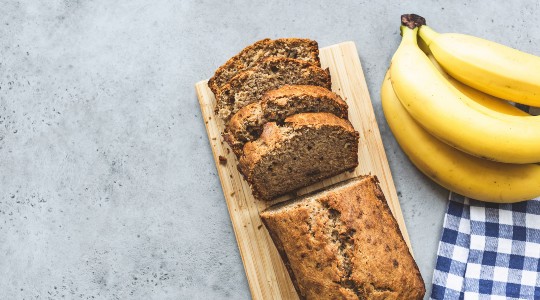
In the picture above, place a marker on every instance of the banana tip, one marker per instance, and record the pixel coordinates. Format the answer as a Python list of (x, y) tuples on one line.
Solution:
[(412, 21)]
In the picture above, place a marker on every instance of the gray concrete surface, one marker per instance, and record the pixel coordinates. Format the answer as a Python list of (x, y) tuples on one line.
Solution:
[(107, 185)]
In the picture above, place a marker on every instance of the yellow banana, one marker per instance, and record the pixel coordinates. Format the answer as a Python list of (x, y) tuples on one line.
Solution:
[(481, 101), (439, 107), (457, 171), (487, 66)]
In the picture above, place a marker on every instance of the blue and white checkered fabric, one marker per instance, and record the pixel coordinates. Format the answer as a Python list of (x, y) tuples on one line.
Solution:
[(488, 251)]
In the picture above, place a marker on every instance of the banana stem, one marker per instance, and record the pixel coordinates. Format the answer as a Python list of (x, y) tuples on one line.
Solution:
[(412, 21), (409, 35), (427, 34)]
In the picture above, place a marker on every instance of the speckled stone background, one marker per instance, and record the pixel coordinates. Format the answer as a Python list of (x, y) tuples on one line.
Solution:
[(108, 189)]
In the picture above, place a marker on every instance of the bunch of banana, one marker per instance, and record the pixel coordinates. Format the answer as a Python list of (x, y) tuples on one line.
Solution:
[(452, 126)]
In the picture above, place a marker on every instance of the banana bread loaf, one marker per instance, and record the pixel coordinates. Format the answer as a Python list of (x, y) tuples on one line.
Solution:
[(344, 243), (276, 105), (307, 148), (303, 49), (271, 73)]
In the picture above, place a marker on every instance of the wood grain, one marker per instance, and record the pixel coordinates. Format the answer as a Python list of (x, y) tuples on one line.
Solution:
[(266, 274)]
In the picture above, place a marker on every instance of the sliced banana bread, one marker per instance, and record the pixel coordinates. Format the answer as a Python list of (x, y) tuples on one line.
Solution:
[(276, 105), (308, 147), (344, 243), (271, 73), (303, 49)]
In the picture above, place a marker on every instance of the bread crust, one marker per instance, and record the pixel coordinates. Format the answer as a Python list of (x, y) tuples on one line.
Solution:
[(246, 125), (344, 243), (270, 73), (249, 56), (274, 137)]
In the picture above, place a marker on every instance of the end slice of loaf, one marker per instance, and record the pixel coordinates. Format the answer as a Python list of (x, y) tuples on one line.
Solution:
[(344, 243), (307, 148), (246, 125), (271, 73), (303, 49)]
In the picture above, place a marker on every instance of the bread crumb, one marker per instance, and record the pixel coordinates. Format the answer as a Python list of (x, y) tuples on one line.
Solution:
[(222, 160), (259, 227)]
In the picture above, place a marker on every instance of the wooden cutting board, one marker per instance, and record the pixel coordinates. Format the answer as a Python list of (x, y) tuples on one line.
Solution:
[(266, 274)]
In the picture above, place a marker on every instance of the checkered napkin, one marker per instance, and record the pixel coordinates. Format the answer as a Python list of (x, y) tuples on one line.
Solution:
[(488, 251)]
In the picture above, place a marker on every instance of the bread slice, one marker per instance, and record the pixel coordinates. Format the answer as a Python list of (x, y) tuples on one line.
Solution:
[(307, 148), (276, 105), (344, 243), (303, 49), (271, 73)]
